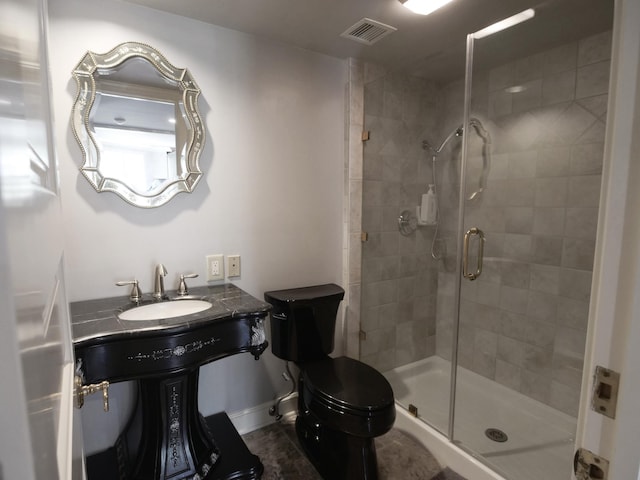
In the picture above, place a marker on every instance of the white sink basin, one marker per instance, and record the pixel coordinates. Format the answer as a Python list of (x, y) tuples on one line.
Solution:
[(158, 311)]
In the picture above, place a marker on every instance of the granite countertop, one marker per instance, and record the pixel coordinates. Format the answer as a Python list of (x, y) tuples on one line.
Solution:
[(93, 320)]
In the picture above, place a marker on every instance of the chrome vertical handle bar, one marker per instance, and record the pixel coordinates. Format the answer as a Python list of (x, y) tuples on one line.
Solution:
[(474, 231)]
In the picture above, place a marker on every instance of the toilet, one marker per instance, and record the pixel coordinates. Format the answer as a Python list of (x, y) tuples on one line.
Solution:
[(343, 404)]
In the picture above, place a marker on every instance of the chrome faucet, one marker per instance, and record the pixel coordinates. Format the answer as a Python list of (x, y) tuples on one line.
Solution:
[(158, 284)]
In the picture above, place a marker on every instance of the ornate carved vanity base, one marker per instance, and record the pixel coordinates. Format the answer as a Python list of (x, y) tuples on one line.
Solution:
[(235, 462), (167, 438)]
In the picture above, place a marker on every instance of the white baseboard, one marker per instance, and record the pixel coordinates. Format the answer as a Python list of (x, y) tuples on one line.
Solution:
[(257, 417)]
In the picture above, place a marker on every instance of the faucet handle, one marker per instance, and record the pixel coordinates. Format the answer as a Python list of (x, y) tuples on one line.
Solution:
[(136, 294), (182, 286)]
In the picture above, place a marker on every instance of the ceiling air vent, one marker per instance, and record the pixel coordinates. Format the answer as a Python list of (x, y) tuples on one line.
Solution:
[(368, 31)]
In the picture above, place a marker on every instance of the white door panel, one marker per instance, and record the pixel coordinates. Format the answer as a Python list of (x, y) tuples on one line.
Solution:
[(37, 376), (614, 332)]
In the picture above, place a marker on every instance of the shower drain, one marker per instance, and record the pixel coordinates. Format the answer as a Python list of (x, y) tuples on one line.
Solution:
[(496, 435)]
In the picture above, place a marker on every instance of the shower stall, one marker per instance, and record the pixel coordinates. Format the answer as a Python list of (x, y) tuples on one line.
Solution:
[(479, 320)]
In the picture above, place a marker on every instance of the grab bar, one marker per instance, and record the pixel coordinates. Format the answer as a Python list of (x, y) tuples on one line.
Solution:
[(474, 231)]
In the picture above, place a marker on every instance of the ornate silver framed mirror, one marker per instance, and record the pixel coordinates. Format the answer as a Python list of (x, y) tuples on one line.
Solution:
[(137, 122)]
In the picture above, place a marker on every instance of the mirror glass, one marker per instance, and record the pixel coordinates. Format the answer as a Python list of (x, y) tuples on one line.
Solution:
[(137, 123)]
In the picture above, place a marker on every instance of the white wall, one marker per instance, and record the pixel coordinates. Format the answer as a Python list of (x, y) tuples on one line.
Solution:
[(272, 190)]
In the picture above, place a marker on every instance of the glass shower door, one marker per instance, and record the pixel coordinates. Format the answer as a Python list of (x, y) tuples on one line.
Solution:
[(530, 212)]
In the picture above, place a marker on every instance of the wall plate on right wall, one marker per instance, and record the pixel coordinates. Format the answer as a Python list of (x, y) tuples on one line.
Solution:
[(233, 266)]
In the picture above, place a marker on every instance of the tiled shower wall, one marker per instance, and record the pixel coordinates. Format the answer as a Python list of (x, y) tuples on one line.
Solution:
[(398, 274), (524, 323)]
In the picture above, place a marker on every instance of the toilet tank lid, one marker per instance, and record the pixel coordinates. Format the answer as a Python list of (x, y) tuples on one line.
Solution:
[(305, 294)]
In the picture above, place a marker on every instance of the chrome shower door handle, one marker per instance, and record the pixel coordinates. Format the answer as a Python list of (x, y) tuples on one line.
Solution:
[(474, 231)]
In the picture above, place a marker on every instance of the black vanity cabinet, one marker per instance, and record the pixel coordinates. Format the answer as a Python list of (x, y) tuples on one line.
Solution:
[(166, 437)]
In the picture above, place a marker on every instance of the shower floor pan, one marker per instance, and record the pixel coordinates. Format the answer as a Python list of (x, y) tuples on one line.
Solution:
[(540, 439)]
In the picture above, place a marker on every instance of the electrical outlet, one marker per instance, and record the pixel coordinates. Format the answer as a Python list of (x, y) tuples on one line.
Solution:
[(233, 264), (215, 267)]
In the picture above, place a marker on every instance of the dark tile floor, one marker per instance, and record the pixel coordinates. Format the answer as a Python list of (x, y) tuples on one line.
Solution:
[(400, 457)]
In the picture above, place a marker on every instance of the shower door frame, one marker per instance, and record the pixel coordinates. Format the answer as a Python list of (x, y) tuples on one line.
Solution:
[(468, 75)]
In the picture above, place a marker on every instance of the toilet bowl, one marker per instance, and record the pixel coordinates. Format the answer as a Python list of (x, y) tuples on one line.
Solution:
[(343, 404)]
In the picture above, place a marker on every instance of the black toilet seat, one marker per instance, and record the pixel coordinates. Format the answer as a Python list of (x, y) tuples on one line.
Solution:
[(349, 394)]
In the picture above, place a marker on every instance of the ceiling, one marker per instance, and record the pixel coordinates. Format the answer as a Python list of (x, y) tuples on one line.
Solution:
[(431, 46)]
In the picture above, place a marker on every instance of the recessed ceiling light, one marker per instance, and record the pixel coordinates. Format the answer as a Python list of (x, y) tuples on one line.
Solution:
[(515, 89), (120, 120), (423, 7), (172, 120)]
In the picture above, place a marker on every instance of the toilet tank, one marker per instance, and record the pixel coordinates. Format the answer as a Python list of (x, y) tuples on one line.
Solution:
[(303, 321)]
